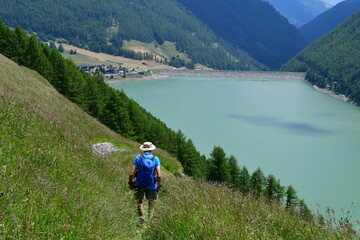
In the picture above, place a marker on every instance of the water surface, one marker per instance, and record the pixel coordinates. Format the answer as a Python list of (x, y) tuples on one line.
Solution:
[(303, 137)]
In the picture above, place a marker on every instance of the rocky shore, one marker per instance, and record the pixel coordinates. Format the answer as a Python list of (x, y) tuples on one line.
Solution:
[(334, 95)]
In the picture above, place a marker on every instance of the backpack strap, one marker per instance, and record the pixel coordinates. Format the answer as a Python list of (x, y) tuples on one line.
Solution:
[(143, 157)]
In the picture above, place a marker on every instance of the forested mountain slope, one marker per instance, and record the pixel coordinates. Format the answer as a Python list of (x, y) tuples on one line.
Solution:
[(300, 12), (329, 20), (333, 61), (251, 25), (54, 187), (251, 29), (103, 25)]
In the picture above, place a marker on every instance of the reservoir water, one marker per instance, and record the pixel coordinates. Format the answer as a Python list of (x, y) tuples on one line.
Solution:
[(303, 137)]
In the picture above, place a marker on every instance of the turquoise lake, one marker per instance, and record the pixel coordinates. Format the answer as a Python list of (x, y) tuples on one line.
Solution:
[(303, 137)]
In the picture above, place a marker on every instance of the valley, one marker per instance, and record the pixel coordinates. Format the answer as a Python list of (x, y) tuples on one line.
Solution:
[(248, 149)]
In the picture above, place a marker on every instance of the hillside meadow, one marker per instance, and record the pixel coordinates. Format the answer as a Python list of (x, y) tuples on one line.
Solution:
[(86, 57), (54, 187)]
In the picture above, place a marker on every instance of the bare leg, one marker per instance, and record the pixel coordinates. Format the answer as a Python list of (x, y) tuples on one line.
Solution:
[(151, 208), (140, 208)]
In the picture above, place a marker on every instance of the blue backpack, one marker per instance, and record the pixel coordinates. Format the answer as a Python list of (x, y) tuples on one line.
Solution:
[(145, 175)]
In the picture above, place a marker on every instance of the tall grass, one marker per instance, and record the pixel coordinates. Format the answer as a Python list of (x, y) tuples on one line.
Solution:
[(53, 187), (200, 210)]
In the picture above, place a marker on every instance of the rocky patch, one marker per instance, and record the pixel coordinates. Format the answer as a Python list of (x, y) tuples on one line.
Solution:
[(105, 149)]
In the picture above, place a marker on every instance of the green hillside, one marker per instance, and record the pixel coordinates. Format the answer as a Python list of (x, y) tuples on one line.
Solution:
[(253, 26), (235, 35), (332, 61), (328, 20), (54, 187)]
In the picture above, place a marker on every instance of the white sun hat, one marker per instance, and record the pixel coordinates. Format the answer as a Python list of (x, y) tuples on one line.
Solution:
[(147, 146)]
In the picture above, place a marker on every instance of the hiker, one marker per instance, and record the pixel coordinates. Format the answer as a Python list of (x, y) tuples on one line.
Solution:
[(144, 169)]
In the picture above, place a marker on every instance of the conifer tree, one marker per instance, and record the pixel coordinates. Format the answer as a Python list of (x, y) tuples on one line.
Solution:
[(126, 127), (193, 164), (304, 211), (139, 119), (158, 134), (47, 69), (20, 45), (180, 147), (6, 41), (60, 79), (257, 182), (244, 180), (273, 190), (219, 170), (234, 172), (109, 116), (196, 165), (291, 197), (33, 53)]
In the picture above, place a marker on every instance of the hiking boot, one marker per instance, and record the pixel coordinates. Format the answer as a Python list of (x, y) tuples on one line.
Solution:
[(141, 220)]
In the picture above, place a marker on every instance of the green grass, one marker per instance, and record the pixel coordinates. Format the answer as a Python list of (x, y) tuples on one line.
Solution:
[(167, 49), (82, 60), (53, 187), (199, 210), (52, 184)]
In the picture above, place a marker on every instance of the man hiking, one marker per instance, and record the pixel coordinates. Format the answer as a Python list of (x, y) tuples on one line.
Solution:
[(144, 169)]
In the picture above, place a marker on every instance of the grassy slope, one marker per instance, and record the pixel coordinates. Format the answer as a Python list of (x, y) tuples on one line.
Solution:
[(52, 187), (168, 49), (86, 57), (52, 184)]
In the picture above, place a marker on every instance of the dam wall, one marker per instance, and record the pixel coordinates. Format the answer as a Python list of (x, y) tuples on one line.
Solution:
[(230, 74)]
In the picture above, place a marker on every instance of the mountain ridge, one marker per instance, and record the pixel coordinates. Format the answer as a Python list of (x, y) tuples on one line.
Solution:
[(299, 12), (331, 62), (158, 21), (253, 26), (328, 20), (104, 30)]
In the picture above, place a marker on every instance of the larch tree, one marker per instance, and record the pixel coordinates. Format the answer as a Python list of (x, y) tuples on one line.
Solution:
[(292, 199), (234, 172), (257, 182), (244, 180), (219, 170)]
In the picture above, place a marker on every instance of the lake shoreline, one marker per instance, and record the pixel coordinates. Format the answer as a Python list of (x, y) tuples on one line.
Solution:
[(332, 94), (164, 73), (129, 79), (230, 74)]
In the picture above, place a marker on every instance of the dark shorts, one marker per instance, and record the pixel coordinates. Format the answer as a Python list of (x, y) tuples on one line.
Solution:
[(149, 194)]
